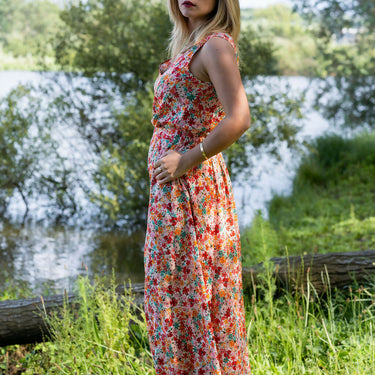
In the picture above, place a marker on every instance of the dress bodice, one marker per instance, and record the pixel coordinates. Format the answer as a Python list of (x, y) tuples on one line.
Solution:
[(184, 102)]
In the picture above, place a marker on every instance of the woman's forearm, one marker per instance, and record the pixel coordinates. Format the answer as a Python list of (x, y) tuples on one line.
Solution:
[(220, 138)]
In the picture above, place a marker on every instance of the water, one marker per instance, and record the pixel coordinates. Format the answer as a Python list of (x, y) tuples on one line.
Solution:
[(50, 257), (44, 256)]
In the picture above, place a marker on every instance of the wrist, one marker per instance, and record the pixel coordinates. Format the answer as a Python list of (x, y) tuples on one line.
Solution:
[(184, 162), (191, 158)]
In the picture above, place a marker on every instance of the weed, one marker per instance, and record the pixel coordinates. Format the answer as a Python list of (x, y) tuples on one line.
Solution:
[(96, 337)]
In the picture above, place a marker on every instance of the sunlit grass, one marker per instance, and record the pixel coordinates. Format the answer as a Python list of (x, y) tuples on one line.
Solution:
[(331, 209), (301, 332), (297, 333), (104, 334), (293, 332)]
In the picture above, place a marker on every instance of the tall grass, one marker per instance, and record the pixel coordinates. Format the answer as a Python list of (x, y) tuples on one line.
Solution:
[(105, 334), (307, 334), (293, 332), (297, 333), (331, 208), (301, 332)]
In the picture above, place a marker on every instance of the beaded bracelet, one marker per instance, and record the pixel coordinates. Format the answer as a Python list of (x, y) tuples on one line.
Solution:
[(202, 150)]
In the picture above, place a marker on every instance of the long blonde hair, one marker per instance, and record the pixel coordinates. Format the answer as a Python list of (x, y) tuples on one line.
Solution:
[(225, 18)]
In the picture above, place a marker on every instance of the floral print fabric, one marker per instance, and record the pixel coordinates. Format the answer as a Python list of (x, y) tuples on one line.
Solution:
[(193, 276)]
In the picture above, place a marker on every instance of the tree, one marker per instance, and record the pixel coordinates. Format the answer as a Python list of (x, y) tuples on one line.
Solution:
[(103, 40), (18, 151), (22, 144), (115, 47), (294, 46), (257, 55), (31, 164), (109, 51), (9, 11), (26, 27), (345, 33), (123, 40)]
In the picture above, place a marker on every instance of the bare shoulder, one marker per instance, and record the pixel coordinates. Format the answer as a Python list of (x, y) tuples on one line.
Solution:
[(218, 50)]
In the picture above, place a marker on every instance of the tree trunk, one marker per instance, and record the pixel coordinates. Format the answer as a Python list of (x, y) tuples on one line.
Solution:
[(323, 271), (21, 321)]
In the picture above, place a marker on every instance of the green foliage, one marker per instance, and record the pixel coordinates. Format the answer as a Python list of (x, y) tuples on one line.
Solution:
[(113, 49), (332, 156), (259, 242), (115, 38), (103, 39), (107, 335), (302, 333), (294, 49), (330, 209), (279, 20), (21, 145), (275, 118), (13, 358), (8, 14), (256, 55), (26, 27), (122, 173), (21, 63), (297, 55), (118, 45), (346, 97), (31, 165), (15, 290), (335, 15)]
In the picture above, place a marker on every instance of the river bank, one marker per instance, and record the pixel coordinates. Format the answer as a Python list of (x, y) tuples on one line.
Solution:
[(331, 209), (46, 256)]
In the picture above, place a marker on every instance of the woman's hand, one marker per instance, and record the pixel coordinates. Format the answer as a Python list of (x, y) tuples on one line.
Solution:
[(169, 167)]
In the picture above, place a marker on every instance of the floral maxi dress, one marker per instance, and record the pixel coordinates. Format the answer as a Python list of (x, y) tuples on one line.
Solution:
[(193, 276)]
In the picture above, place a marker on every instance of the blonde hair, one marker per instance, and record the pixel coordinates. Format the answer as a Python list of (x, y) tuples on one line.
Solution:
[(225, 18)]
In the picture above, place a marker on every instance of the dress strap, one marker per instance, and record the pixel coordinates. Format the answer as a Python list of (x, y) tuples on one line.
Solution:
[(196, 47)]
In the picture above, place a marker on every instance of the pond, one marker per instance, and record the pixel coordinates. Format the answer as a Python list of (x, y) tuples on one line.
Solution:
[(45, 257)]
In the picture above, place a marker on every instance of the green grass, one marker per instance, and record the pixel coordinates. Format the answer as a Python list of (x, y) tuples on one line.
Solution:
[(305, 334), (301, 332), (294, 334), (106, 334), (331, 209)]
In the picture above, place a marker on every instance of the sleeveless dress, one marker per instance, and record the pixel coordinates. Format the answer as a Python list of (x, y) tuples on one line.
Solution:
[(193, 275)]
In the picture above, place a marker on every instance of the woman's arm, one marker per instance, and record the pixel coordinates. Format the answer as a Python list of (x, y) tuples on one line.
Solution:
[(217, 61)]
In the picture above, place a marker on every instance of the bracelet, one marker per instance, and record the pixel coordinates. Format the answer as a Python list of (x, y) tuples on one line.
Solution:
[(202, 150)]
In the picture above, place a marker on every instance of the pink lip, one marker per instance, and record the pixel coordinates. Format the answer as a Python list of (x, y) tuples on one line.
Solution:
[(188, 4)]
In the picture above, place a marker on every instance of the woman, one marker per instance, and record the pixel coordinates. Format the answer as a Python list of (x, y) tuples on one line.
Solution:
[(193, 283)]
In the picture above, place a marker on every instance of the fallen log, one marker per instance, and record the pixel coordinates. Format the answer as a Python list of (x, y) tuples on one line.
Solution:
[(323, 271), (21, 321)]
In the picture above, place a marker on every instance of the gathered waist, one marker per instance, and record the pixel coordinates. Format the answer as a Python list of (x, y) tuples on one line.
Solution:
[(171, 138), (182, 133)]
